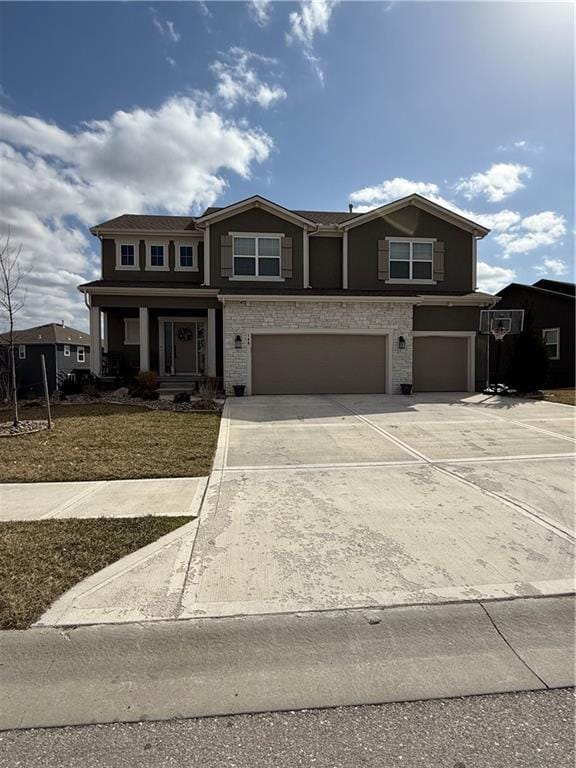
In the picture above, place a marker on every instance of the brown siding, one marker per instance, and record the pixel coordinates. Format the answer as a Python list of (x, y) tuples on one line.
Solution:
[(446, 318), (109, 271), (325, 255), (256, 220), (409, 222), (174, 302)]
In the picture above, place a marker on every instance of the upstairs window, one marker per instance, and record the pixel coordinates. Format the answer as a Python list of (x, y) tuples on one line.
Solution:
[(80, 354), (185, 257), (22, 351), (411, 259), (551, 339), (256, 256), (157, 257), (127, 255)]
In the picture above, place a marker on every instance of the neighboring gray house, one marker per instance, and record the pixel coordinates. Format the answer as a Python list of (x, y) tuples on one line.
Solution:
[(64, 350), (291, 301)]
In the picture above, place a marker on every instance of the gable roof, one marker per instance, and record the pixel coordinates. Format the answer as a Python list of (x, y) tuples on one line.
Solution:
[(556, 286), (51, 333), (537, 289), (424, 204), (256, 201)]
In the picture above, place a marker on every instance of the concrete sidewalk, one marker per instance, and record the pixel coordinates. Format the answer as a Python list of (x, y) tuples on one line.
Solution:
[(173, 496), (200, 667)]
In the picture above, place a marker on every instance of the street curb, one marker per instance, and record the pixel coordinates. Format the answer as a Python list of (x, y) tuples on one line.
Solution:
[(206, 667)]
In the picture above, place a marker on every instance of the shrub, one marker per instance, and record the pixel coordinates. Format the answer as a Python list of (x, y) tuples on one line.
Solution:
[(144, 385), (181, 397), (208, 389)]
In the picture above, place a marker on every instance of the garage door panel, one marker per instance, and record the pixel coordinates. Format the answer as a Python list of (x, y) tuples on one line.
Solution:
[(318, 364), (440, 363)]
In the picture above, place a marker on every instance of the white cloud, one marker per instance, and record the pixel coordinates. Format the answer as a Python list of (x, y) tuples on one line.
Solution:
[(312, 18), (521, 145), (389, 190), (260, 10), (55, 183), (203, 8), (238, 79), (543, 229), (171, 61), (165, 28), (492, 279), (499, 222), (551, 266), (495, 184)]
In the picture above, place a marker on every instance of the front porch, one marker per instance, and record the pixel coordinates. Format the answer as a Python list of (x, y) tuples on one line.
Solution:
[(181, 344)]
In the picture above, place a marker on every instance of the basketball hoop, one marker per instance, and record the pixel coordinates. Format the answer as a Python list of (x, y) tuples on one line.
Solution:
[(500, 327), (499, 323)]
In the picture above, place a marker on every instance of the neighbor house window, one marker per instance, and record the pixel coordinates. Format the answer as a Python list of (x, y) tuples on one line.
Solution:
[(256, 256), (80, 354), (22, 351), (411, 259), (551, 338), (127, 256), (66, 350), (185, 257), (131, 330), (157, 256)]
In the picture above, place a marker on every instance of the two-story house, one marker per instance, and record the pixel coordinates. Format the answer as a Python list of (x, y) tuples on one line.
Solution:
[(290, 301)]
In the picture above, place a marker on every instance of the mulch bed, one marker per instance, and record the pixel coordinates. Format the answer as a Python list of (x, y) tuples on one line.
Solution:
[(195, 404), (25, 427)]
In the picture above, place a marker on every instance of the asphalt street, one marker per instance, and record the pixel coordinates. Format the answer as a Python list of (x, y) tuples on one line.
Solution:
[(527, 730)]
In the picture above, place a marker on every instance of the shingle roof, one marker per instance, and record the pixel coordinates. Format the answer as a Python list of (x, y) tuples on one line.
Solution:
[(51, 333), (320, 217), (537, 289), (131, 221)]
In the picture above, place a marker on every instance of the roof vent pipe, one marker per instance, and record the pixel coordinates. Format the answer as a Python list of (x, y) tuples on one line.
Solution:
[(350, 207)]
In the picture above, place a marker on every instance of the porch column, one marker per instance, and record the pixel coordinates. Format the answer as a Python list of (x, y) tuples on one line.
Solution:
[(345, 259), (95, 342), (211, 344), (144, 340)]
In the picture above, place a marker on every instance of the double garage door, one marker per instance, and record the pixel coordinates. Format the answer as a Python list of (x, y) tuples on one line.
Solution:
[(323, 363)]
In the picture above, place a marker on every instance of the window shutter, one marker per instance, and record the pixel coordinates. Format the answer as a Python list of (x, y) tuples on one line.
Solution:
[(226, 256), (438, 260), (383, 259), (286, 257)]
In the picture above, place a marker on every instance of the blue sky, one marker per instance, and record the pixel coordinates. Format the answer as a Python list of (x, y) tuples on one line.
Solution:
[(167, 107)]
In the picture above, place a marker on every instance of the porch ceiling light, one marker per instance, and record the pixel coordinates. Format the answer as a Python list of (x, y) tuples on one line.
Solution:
[(401, 342), (238, 342)]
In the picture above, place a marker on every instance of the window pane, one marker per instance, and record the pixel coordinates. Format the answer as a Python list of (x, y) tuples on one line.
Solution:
[(422, 251), (268, 246), (157, 255), (269, 267), (244, 246), (400, 269), (422, 270), (244, 266), (186, 256), (399, 250), (550, 336), (127, 255)]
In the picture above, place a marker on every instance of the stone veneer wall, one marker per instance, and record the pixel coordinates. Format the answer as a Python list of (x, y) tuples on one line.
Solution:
[(240, 318)]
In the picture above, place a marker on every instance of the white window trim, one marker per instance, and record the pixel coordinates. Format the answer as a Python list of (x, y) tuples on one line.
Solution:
[(66, 350), (136, 245), (21, 351), (411, 280), (128, 343), (166, 265), (544, 332), (80, 349), (258, 278), (177, 266)]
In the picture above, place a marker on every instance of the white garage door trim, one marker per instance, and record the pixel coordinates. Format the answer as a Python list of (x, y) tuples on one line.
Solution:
[(471, 336), (388, 332)]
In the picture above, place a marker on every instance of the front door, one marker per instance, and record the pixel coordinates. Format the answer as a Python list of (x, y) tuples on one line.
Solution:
[(185, 347)]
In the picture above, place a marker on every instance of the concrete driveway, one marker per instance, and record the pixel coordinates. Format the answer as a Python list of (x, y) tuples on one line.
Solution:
[(323, 502)]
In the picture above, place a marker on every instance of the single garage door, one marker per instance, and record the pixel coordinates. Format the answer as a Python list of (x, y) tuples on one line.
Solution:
[(440, 364), (318, 363)]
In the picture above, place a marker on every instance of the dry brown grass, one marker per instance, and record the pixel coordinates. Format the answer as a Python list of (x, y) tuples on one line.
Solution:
[(566, 396), (110, 442), (40, 560)]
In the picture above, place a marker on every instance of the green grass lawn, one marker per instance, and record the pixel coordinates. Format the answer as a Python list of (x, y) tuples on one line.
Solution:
[(40, 560), (110, 442)]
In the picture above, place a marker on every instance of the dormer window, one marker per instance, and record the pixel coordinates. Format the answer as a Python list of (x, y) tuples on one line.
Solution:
[(411, 259), (127, 256)]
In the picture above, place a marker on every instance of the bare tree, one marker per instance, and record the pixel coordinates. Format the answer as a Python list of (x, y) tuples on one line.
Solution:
[(12, 299)]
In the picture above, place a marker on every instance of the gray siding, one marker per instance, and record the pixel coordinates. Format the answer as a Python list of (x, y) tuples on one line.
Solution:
[(325, 254), (109, 271)]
